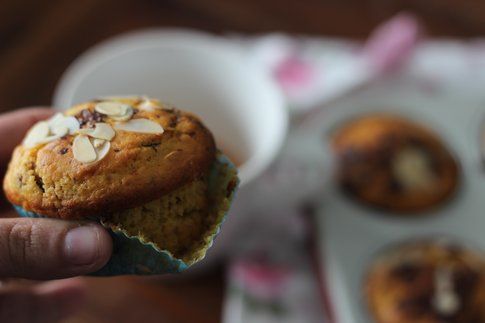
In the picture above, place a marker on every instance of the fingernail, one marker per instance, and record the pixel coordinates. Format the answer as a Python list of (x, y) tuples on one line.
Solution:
[(81, 245)]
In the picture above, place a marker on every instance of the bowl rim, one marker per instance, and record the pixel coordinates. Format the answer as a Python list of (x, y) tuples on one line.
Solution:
[(177, 38)]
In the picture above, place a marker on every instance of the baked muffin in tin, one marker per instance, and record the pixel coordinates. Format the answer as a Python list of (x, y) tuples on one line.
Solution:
[(427, 281), (394, 164)]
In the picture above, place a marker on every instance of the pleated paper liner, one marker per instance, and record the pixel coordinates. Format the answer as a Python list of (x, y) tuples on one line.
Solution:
[(134, 256)]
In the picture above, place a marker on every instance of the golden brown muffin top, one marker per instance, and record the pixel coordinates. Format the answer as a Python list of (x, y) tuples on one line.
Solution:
[(126, 152), (394, 164), (427, 282)]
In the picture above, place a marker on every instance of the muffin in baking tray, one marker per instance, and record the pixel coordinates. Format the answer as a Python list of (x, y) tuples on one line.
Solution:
[(394, 164), (149, 173), (427, 281)]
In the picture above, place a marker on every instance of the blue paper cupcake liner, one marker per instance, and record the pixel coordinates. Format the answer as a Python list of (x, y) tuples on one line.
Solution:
[(132, 256)]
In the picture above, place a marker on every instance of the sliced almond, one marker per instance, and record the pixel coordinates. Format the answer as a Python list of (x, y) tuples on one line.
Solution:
[(51, 138), (71, 123), (140, 125), (55, 119), (102, 150), (59, 130), (46, 131), (127, 114), (85, 131), (98, 142), (103, 131), (150, 105), (112, 108), (445, 300), (60, 120), (101, 147), (37, 133), (412, 169), (83, 150)]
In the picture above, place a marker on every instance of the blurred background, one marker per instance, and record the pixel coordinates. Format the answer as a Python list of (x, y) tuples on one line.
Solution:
[(40, 39)]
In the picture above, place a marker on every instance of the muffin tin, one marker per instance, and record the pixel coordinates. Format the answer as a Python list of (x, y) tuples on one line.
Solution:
[(351, 234), (437, 271)]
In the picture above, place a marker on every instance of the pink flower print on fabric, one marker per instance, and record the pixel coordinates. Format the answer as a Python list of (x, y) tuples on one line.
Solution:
[(392, 43), (260, 279), (294, 74)]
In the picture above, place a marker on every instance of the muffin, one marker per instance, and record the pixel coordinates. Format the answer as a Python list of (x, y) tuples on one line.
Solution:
[(149, 173), (427, 282), (393, 164)]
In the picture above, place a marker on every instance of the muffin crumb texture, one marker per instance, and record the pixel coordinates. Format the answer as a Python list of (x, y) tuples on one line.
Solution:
[(174, 222)]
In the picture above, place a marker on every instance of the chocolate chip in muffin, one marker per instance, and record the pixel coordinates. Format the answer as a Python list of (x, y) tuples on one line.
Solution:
[(395, 186), (39, 182), (63, 151), (465, 282), (89, 118), (406, 271), (173, 121), (416, 305)]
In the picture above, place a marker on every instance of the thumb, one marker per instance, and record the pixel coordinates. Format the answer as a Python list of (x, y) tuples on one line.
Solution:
[(50, 248)]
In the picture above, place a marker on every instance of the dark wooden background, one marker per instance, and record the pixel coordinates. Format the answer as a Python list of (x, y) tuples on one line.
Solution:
[(40, 38)]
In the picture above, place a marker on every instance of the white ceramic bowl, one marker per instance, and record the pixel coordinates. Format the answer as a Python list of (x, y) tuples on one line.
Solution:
[(197, 72)]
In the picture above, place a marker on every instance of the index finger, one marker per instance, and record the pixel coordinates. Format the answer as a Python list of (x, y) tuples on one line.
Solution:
[(14, 125)]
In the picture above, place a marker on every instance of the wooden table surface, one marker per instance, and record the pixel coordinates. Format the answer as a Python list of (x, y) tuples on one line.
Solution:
[(181, 299), (39, 39)]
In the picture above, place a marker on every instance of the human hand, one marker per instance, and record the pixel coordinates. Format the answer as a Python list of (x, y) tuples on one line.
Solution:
[(43, 248)]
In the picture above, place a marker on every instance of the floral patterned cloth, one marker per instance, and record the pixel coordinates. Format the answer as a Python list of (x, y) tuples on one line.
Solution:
[(271, 278)]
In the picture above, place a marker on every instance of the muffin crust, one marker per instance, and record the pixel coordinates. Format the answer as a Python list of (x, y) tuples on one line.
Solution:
[(138, 168)]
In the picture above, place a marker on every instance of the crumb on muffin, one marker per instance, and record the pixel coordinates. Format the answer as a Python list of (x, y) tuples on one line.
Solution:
[(173, 222)]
